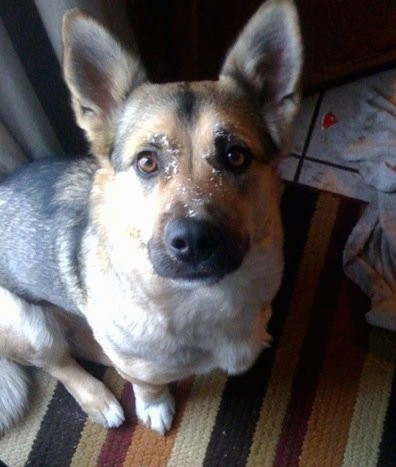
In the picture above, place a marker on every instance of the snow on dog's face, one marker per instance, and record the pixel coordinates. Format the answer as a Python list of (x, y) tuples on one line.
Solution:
[(186, 182)]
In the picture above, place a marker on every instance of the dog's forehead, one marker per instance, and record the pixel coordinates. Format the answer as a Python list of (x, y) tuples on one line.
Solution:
[(174, 107)]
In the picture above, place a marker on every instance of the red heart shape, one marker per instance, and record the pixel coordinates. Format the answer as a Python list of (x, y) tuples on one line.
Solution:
[(328, 120)]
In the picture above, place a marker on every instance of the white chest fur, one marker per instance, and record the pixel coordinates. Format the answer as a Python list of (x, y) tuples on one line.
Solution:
[(188, 326)]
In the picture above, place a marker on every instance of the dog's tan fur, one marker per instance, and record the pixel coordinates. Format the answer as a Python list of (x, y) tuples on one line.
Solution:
[(156, 329)]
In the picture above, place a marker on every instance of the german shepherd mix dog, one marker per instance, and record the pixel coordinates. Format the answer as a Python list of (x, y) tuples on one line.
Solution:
[(160, 254)]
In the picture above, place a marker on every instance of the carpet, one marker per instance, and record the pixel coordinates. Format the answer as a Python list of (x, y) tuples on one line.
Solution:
[(323, 395)]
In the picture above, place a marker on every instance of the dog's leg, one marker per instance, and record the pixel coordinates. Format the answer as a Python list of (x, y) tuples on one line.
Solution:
[(154, 404), (92, 395), (31, 336), (80, 338)]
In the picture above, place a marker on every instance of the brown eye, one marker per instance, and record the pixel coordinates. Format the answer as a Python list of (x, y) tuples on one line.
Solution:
[(237, 159), (147, 163)]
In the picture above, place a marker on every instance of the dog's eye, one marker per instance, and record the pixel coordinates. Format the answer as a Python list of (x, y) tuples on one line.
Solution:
[(147, 163), (237, 159)]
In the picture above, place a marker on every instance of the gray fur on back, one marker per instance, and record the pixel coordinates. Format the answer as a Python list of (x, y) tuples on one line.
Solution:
[(43, 217)]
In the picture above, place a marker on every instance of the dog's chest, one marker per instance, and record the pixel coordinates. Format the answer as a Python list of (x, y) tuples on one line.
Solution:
[(188, 326), (174, 330)]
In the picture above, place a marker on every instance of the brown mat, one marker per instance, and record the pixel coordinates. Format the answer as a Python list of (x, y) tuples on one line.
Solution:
[(324, 395)]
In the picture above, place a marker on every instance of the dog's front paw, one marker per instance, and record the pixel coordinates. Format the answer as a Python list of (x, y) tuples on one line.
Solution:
[(113, 415), (158, 414), (105, 409)]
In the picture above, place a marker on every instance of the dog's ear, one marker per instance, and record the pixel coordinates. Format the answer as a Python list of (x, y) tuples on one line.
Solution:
[(266, 60), (100, 74)]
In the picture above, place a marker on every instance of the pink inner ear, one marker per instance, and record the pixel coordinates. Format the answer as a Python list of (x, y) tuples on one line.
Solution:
[(272, 71), (97, 86)]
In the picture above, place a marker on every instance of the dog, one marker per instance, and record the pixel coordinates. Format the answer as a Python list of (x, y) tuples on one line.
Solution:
[(159, 253)]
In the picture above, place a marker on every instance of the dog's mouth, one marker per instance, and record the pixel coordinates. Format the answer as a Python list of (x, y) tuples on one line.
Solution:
[(196, 250)]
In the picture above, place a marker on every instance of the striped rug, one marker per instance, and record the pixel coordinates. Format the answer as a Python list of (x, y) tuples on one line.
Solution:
[(324, 395)]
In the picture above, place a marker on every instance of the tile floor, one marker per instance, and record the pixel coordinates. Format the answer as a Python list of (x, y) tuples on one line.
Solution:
[(327, 123)]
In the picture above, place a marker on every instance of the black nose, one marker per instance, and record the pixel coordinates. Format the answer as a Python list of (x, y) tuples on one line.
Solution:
[(192, 241)]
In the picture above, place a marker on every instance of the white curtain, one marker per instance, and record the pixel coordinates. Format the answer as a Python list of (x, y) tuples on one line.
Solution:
[(35, 116)]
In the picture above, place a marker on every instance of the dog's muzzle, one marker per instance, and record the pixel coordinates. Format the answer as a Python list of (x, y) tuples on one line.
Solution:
[(195, 249)]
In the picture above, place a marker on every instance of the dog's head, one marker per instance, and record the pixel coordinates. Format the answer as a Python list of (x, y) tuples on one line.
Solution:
[(186, 171)]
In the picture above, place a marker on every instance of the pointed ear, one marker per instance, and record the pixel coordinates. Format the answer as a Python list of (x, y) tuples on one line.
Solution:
[(99, 74), (267, 60)]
